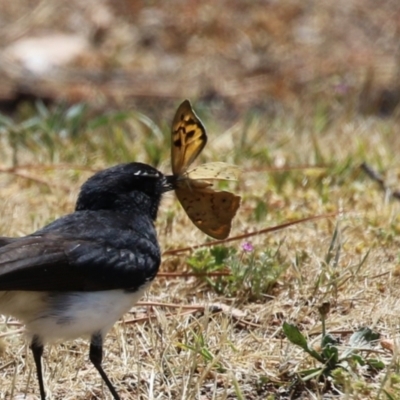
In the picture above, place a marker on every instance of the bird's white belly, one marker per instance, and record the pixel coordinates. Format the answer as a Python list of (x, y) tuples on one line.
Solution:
[(53, 316)]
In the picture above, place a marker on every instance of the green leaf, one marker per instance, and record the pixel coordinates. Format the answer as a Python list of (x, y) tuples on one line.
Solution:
[(328, 339), (331, 354), (220, 254), (75, 111), (311, 373), (295, 336), (362, 337), (359, 339), (358, 359), (375, 363)]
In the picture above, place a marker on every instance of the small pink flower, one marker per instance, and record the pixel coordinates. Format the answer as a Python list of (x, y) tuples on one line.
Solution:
[(247, 246)]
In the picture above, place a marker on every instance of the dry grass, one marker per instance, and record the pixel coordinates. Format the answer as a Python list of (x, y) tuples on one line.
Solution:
[(219, 353)]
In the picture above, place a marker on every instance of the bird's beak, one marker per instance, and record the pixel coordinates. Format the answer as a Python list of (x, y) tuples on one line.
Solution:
[(169, 183)]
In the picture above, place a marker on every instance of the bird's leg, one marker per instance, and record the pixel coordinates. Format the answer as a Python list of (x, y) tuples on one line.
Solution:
[(96, 355), (37, 350)]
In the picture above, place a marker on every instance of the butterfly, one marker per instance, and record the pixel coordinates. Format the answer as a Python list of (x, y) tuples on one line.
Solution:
[(210, 210)]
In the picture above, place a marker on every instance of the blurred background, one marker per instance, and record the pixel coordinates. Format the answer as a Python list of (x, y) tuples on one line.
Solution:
[(233, 56)]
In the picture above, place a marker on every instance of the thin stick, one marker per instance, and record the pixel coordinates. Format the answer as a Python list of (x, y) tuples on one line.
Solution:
[(247, 235)]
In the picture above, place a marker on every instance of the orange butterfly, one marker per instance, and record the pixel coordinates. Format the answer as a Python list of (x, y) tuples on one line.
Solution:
[(211, 211)]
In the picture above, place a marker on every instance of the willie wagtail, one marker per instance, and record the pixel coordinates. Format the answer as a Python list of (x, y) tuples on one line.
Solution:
[(78, 275)]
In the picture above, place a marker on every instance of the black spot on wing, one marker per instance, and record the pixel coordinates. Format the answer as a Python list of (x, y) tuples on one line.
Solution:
[(190, 134)]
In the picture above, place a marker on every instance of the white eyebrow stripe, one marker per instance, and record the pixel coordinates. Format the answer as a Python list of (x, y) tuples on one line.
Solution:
[(152, 174)]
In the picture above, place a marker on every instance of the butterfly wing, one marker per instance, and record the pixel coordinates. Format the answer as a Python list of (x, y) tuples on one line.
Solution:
[(214, 171), (212, 212), (188, 138)]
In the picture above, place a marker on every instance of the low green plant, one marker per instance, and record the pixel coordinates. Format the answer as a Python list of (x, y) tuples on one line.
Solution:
[(62, 133), (329, 355), (197, 343), (251, 275)]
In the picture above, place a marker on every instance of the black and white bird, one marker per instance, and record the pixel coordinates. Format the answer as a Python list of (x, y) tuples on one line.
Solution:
[(78, 275)]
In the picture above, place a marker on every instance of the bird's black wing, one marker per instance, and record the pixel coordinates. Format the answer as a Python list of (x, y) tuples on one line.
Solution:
[(4, 241), (51, 262)]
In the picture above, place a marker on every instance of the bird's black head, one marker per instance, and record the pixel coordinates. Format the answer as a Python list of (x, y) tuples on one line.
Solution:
[(125, 188)]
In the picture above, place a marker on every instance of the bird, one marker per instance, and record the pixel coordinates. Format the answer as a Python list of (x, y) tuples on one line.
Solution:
[(79, 274)]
